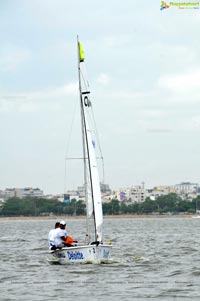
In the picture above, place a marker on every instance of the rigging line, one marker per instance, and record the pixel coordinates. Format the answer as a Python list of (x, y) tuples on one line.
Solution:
[(65, 178), (68, 144), (86, 75), (80, 158), (70, 130)]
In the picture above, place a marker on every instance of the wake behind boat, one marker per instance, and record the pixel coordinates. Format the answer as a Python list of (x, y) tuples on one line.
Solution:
[(95, 251)]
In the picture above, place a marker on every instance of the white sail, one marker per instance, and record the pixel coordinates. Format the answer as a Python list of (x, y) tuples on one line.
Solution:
[(90, 207), (93, 193), (94, 197)]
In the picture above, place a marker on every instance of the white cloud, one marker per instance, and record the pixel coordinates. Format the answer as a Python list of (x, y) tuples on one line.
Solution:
[(193, 123), (113, 41), (12, 57), (54, 92), (103, 79), (181, 83), (174, 55), (50, 98)]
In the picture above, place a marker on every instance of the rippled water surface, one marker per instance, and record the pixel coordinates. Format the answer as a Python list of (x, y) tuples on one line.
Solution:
[(152, 258)]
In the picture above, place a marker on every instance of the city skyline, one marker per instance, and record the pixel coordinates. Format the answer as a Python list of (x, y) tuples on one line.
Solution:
[(182, 186)]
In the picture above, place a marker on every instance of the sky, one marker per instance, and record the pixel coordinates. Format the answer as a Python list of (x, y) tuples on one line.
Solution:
[(144, 71)]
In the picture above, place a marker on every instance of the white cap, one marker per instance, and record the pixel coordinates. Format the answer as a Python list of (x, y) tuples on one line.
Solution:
[(62, 223)]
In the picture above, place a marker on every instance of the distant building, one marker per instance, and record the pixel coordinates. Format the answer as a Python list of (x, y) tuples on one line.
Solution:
[(72, 195), (20, 192), (105, 190), (135, 194), (158, 191), (186, 188), (198, 190), (79, 194), (81, 191)]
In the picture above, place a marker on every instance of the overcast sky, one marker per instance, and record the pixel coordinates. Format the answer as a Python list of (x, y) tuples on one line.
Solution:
[(143, 65)]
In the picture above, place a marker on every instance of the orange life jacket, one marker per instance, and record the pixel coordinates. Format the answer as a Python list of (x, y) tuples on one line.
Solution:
[(69, 240)]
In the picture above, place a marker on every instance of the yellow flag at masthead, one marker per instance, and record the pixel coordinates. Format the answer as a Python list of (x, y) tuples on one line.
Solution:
[(81, 52)]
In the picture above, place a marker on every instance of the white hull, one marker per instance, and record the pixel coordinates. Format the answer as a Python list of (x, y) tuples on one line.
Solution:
[(81, 254)]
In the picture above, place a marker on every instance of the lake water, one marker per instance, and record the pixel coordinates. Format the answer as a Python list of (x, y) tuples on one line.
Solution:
[(152, 258)]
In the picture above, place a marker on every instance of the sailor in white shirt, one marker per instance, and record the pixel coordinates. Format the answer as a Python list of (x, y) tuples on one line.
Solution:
[(60, 235), (52, 236)]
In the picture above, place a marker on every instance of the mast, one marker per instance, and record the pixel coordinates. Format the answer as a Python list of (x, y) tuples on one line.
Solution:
[(86, 152), (83, 136)]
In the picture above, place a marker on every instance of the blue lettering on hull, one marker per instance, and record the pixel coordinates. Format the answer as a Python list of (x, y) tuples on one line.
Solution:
[(105, 253), (76, 255)]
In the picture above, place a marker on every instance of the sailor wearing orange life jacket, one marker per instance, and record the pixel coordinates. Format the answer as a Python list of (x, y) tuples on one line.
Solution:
[(61, 237)]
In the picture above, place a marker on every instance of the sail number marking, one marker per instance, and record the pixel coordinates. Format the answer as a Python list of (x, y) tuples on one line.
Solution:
[(87, 102)]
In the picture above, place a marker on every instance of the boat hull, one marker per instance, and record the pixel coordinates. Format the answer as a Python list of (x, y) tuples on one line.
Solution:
[(82, 254)]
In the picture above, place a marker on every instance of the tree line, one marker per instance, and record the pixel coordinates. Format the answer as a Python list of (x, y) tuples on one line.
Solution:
[(34, 206)]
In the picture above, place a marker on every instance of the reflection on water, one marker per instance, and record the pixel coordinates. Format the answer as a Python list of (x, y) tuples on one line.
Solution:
[(151, 259)]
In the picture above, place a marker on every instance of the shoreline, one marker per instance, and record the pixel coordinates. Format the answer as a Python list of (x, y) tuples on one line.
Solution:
[(120, 216)]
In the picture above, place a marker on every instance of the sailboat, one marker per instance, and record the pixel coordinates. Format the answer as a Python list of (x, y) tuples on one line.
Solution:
[(94, 251)]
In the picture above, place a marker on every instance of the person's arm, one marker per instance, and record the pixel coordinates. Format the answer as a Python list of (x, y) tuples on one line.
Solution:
[(63, 238)]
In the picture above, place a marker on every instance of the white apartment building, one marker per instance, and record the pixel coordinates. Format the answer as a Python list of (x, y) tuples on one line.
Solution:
[(20, 192), (135, 194)]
